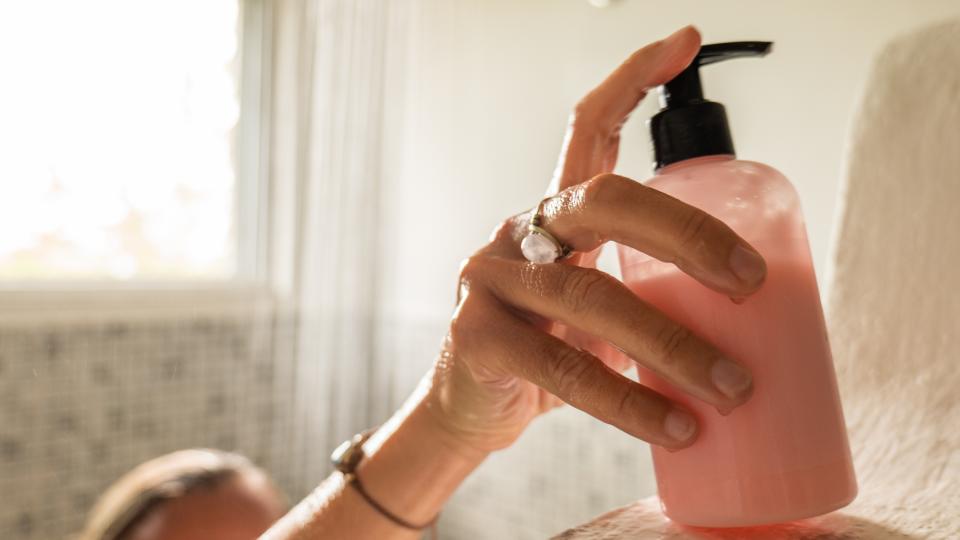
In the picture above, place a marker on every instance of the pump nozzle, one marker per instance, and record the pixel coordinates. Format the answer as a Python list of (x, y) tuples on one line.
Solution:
[(715, 52), (689, 126)]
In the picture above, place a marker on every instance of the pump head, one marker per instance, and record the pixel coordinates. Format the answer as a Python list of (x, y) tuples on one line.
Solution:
[(687, 125)]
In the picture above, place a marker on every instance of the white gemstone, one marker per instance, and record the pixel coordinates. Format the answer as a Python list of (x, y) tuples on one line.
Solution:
[(539, 249)]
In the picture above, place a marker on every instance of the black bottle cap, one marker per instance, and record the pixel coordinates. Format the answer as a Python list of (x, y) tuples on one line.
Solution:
[(687, 125)]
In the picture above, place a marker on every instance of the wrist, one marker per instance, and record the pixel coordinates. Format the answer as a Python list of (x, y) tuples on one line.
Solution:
[(414, 464), (451, 434)]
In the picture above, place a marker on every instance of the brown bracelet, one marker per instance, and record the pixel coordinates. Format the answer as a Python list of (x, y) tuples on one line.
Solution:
[(347, 457), (354, 480)]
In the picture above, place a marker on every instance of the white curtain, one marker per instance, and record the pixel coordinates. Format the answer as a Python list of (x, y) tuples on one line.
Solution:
[(326, 150)]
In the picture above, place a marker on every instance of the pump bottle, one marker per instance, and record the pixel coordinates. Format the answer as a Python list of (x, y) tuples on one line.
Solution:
[(784, 454)]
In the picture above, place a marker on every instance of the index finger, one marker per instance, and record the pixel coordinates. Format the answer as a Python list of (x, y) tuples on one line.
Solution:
[(597, 119), (607, 105)]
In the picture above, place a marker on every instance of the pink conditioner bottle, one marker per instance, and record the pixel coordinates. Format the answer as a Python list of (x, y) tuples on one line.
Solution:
[(783, 455)]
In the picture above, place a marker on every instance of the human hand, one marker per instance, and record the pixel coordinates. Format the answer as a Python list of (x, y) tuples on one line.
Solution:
[(501, 366)]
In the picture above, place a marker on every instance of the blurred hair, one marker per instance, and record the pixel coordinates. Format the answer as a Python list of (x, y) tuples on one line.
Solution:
[(128, 500)]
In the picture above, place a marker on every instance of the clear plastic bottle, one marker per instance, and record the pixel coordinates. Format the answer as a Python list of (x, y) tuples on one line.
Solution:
[(783, 455)]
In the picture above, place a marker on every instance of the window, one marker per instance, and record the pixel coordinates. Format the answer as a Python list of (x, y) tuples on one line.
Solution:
[(119, 140)]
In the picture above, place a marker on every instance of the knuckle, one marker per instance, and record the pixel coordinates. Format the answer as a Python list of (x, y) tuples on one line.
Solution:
[(505, 230), (672, 339), (567, 372), (604, 187), (536, 278), (470, 268), (694, 227), (583, 116), (582, 289), (465, 326), (627, 404)]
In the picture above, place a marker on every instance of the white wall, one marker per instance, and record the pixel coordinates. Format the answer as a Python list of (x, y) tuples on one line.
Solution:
[(490, 82)]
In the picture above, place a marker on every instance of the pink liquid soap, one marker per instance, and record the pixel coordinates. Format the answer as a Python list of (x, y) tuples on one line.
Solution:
[(783, 455)]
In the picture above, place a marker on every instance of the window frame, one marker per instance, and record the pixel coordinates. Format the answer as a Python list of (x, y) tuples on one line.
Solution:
[(48, 299)]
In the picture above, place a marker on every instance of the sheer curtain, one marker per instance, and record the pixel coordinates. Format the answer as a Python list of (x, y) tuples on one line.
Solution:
[(355, 128), (326, 146)]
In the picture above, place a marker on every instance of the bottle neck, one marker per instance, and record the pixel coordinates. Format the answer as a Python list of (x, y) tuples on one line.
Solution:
[(690, 131), (693, 162)]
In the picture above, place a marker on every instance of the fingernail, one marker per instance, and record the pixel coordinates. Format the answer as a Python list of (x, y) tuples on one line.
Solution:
[(730, 378), (747, 265), (679, 425), (738, 299)]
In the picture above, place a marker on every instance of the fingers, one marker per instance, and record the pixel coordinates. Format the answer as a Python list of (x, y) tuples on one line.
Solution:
[(606, 107), (592, 140), (611, 207), (600, 305), (574, 376)]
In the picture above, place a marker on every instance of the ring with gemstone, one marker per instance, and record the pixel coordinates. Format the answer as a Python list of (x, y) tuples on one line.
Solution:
[(539, 246)]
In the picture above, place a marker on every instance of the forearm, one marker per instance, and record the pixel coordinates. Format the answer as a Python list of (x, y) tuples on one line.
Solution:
[(412, 467)]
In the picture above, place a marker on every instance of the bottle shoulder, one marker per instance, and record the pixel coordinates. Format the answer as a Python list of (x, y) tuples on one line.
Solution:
[(747, 195), (733, 174)]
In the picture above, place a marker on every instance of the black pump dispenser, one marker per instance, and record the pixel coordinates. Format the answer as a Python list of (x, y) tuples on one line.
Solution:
[(687, 125)]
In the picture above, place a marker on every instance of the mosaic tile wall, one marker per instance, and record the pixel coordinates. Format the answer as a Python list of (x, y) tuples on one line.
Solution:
[(80, 404)]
